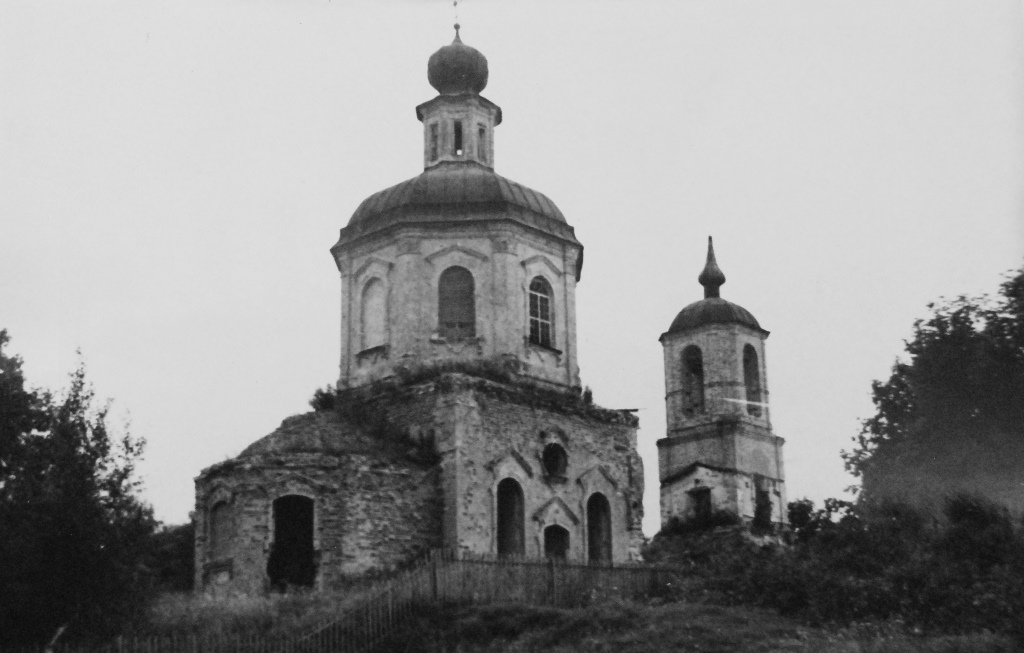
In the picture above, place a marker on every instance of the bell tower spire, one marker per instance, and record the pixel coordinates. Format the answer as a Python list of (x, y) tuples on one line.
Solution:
[(711, 277)]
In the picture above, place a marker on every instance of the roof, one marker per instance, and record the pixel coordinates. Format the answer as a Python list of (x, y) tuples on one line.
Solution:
[(314, 432), (461, 191), (457, 68), (712, 310)]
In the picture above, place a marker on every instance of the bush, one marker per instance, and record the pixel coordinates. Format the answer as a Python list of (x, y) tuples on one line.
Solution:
[(847, 564)]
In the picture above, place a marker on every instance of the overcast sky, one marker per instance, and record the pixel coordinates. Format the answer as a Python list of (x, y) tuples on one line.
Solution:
[(173, 173)]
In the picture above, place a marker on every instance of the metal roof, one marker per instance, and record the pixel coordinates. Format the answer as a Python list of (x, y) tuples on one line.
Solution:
[(461, 191), (712, 310)]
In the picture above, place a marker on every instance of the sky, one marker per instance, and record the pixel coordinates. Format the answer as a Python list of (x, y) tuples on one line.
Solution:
[(174, 172)]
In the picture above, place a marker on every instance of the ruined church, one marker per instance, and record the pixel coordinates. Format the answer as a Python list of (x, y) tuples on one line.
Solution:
[(458, 421)]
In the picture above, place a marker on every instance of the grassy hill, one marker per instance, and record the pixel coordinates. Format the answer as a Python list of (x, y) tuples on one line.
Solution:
[(622, 627)]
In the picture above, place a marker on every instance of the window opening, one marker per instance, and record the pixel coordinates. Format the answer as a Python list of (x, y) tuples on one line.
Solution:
[(556, 543), (374, 309), (433, 142), (456, 309), (511, 538), (458, 138), (221, 528), (481, 143), (291, 557), (540, 312), (555, 460), (693, 380), (599, 528), (752, 380)]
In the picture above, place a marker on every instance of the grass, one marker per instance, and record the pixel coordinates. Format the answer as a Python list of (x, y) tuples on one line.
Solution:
[(604, 627), (262, 616), (625, 627)]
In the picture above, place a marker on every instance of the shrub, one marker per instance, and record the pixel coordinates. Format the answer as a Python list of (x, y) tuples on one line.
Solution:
[(847, 564)]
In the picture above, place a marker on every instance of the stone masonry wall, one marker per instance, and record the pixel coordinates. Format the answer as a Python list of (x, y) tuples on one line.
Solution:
[(371, 512), (485, 437)]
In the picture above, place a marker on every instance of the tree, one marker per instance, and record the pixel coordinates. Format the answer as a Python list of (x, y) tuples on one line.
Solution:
[(172, 557), (950, 419), (72, 529)]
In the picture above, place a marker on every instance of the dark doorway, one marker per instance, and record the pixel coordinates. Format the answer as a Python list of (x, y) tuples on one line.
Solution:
[(599, 528), (701, 504), (291, 558), (556, 543), (511, 539)]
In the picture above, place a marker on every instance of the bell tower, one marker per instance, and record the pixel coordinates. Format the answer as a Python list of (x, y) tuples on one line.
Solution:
[(719, 452)]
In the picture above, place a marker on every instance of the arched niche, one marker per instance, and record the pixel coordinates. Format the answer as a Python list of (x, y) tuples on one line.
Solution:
[(599, 528), (511, 518)]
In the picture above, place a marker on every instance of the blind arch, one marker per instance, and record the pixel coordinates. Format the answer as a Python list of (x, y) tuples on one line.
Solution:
[(373, 314), (511, 518), (456, 304)]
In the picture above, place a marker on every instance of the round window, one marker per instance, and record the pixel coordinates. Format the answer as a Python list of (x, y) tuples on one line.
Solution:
[(555, 460)]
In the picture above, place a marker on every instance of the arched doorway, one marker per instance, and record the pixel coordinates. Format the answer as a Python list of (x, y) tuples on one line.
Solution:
[(556, 543), (599, 528), (291, 558), (511, 539)]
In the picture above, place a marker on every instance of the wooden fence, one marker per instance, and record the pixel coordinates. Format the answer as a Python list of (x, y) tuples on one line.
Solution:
[(442, 577)]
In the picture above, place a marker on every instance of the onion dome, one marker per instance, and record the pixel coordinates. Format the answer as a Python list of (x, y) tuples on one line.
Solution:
[(457, 68), (712, 309)]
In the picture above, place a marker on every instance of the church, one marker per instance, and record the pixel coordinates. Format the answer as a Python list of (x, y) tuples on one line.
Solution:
[(458, 421)]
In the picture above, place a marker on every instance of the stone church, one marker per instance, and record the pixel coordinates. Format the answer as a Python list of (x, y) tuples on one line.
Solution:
[(458, 421)]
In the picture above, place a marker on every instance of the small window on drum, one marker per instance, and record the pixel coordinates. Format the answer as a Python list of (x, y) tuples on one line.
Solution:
[(555, 460), (433, 142), (456, 307), (541, 318)]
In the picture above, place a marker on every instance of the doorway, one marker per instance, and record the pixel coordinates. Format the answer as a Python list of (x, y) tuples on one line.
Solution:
[(291, 561)]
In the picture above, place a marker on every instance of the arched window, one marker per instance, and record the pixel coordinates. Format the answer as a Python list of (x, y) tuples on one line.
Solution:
[(693, 380), (374, 312), (541, 320), (599, 528), (456, 306), (556, 543), (291, 558), (752, 380), (511, 537), (221, 531), (555, 460)]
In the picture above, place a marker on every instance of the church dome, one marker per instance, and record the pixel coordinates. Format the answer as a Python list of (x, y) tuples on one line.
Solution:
[(457, 68), (712, 310), (456, 191)]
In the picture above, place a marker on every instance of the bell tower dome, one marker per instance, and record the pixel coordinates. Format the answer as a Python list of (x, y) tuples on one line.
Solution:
[(458, 263), (719, 452)]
